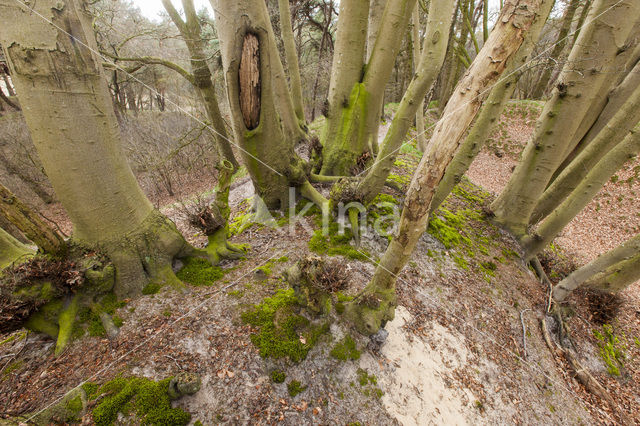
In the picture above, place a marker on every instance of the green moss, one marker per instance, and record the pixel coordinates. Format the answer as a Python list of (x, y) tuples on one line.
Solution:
[(447, 229), (278, 376), (75, 405), (91, 390), (11, 368), (336, 244), (345, 350), (148, 400), (612, 349), (199, 272), (295, 387), (280, 328), (151, 288)]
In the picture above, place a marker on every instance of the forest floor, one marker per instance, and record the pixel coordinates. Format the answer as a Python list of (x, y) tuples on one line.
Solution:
[(465, 347)]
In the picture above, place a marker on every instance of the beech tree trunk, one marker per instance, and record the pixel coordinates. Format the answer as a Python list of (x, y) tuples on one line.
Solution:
[(582, 195), (421, 139), (11, 250), (292, 58), (354, 110), (61, 83), (434, 50), (558, 48), (611, 105), (586, 70), (506, 38), (251, 63), (30, 224), (624, 257), (614, 131)]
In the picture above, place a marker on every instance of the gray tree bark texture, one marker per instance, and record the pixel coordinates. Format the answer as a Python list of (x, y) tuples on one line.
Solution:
[(491, 110), (585, 72), (59, 79), (506, 38), (625, 254)]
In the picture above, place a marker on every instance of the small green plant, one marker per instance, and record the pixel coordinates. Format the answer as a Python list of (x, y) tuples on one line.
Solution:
[(295, 387), (149, 401), (345, 350), (281, 331), (612, 349), (199, 272), (278, 376)]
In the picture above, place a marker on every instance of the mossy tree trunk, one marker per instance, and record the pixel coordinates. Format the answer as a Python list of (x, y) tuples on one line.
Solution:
[(506, 38), (354, 109), (251, 63), (491, 110), (619, 267), (60, 81), (292, 59), (434, 49), (586, 71), (582, 195), (30, 224), (11, 250)]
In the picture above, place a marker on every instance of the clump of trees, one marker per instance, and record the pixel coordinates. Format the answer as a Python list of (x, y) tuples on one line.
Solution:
[(245, 70)]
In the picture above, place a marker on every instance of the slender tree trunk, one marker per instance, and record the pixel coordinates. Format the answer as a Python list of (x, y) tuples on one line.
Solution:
[(558, 48), (582, 195), (321, 50), (8, 84), (617, 277), (434, 50), (624, 254), (580, 83), (504, 41), (11, 250), (8, 101), (202, 78), (85, 164), (292, 58), (614, 131), (583, 16), (376, 10), (23, 175), (30, 224), (417, 54), (491, 110), (485, 20)]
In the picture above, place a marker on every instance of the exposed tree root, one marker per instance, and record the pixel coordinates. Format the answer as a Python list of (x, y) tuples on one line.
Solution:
[(544, 279), (581, 373)]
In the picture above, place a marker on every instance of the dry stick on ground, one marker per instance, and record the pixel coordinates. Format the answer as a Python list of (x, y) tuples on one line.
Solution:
[(581, 373), (506, 38)]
